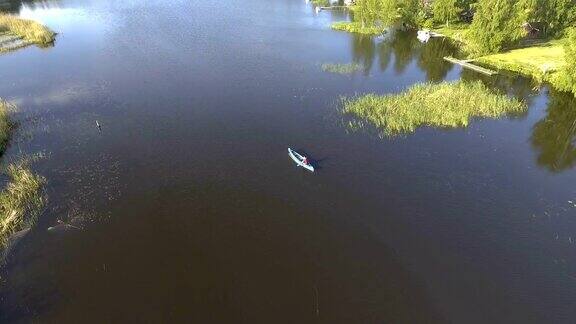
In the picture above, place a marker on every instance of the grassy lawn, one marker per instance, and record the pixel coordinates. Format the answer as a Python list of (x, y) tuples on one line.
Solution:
[(447, 105), (537, 61)]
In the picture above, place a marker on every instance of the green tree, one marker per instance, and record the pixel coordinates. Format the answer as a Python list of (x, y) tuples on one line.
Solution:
[(553, 16), (445, 11), (497, 23), (407, 12), (567, 77)]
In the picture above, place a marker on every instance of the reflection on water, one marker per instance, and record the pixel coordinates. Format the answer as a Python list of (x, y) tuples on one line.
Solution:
[(363, 51), (403, 47), (431, 58), (554, 137)]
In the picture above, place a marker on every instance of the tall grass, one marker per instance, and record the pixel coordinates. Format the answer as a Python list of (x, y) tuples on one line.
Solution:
[(29, 30), (20, 200), (5, 124), (21, 195), (448, 104)]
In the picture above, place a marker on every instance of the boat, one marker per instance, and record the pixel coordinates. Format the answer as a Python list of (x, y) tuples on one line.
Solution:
[(299, 159), (424, 36)]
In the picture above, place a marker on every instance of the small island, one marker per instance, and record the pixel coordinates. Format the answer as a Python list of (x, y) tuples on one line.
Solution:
[(446, 105)]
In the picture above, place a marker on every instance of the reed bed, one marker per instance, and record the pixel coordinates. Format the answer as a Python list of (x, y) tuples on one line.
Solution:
[(447, 105), (29, 30), (5, 124), (20, 200), (356, 27)]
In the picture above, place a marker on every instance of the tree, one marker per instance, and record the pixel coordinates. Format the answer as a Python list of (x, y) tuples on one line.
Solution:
[(567, 77), (552, 16), (445, 11), (497, 23)]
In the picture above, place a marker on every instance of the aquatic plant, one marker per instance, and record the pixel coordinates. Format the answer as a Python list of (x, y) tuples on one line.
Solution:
[(29, 30), (20, 200), (21, 197), (349, 68), (447, 104), (356, 27)]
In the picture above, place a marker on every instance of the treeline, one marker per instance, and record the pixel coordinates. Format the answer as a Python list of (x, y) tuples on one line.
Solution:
[(493, 24)]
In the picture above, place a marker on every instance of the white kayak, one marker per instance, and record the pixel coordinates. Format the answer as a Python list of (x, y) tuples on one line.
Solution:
[(299, 159)]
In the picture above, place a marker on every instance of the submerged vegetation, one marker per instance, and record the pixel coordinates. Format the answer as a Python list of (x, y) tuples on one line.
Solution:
[(448, 104), (349, 68), (30, 31)]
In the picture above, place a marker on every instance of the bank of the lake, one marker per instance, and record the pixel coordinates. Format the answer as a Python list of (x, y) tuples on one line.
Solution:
[(20, 194), (542, 60)]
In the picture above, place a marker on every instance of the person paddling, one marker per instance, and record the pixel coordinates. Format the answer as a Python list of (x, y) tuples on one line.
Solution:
[(305, 161)]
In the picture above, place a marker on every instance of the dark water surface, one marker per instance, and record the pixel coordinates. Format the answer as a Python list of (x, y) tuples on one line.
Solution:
[(191, 210)]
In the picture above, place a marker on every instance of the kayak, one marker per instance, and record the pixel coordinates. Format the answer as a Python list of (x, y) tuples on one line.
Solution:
[(299, 159)]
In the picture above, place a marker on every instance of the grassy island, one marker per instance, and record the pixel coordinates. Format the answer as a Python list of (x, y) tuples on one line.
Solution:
[(20, 196), (448, 104), (29, 31)]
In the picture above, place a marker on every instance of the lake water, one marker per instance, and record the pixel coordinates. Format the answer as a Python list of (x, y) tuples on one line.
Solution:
[(191, 210)]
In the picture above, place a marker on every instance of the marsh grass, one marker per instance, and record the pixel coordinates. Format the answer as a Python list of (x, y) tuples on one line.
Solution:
[(20, 200), (348, 68), (29, 30), (356, 27), (6, 124), (20, 196), (447, 105)]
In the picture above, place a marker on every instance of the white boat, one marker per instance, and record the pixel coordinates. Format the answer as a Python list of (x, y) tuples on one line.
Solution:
[(424, 36), (299, 159)]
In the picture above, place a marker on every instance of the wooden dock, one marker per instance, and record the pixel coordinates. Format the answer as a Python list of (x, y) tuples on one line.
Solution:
[(470, 66), (335, 8)]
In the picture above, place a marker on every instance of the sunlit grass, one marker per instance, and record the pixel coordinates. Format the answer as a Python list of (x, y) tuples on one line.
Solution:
[(356, 27), (29, 30), (19, 200), (349, 68), (447, 105)]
